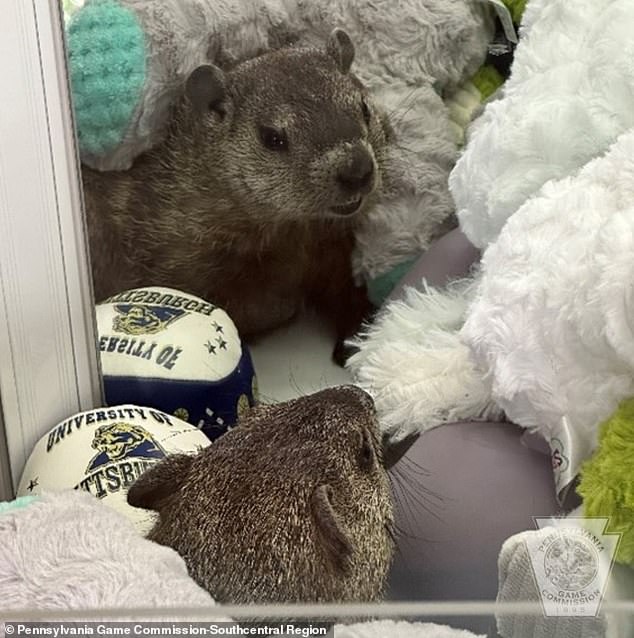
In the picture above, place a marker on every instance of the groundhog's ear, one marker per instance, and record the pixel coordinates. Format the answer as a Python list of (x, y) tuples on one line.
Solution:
[(330, 529), (206, 89), (340, 47), (159, 482)]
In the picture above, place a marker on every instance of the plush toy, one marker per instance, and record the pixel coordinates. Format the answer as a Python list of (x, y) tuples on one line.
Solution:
[(465, 102), (606, 481), (128, 60), (606, 486)]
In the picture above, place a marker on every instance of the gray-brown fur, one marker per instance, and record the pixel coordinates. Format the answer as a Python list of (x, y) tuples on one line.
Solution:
[(293, 505), (214, 212)]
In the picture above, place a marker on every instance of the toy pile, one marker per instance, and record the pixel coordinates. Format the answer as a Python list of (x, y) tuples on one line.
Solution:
[(539, 332)]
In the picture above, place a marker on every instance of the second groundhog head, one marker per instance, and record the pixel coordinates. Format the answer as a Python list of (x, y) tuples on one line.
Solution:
[(293, 131), (292, 505)]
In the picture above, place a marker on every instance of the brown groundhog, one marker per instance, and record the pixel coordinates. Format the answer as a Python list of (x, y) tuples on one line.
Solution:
[(293, 505), (252, 200)]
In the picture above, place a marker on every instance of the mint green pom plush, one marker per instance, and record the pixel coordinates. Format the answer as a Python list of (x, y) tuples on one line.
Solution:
[(107, 62), (607, 480)]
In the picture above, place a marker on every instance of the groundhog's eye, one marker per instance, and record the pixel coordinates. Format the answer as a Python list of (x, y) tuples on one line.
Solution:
[(365, 109), (273, 139), (366, 453)]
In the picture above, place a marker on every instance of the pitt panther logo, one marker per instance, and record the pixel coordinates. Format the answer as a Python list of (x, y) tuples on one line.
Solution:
[(136, 319), (118, 441)]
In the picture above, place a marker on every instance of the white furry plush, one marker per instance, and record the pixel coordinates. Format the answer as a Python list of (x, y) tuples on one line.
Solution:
[(66, 551), (545, 342), (568, 98), (411, 360), (552, 325)]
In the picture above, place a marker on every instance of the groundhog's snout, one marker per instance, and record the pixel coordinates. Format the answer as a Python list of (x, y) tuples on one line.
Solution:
[(354, 398), (356, 176), (350, 396)]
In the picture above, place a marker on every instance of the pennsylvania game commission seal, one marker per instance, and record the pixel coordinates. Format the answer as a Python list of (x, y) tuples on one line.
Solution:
[(571, 560)]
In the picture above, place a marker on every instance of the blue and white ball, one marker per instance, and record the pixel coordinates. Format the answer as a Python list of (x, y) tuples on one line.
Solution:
[(170, 350), (104, 451)]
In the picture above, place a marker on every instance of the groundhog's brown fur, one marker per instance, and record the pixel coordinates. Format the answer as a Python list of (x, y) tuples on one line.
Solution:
[(293, 505), (248, 202)]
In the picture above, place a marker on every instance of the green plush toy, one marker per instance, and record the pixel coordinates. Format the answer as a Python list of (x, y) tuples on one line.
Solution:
[(607, 480), (516, 7), (487, 80)]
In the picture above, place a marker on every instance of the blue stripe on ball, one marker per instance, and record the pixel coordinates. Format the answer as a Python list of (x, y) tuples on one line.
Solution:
[(210, 405)]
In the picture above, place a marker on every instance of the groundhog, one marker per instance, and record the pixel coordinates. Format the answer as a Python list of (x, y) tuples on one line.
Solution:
[(292, 505), (252, 200)]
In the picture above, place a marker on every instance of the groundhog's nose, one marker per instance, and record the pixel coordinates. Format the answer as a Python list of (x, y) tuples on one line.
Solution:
[(356, 175)]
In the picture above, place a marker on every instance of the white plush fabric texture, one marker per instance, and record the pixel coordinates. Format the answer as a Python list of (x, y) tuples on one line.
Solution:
[(552, 326), (69, 551), (569, 97), (412, 362)]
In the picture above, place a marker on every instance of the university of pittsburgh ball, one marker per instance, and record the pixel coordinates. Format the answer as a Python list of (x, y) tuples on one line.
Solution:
[(103, 451), (178, 353)]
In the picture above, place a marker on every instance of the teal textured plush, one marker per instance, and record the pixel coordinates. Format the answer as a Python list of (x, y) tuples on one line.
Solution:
[(380, 287), (107, 63)]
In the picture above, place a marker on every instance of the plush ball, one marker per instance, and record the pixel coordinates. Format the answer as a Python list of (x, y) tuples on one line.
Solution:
[(103, 451), (170, 350), (607, 479)]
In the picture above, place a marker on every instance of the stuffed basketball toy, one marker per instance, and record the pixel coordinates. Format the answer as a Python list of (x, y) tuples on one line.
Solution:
[(104, 451), (178, 353)]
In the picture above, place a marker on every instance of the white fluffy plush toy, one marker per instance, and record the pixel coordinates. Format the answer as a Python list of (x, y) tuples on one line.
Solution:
[(544, 189)]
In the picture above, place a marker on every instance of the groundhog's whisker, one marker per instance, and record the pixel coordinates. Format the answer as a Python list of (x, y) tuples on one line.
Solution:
[(399, 106), (409, 490)]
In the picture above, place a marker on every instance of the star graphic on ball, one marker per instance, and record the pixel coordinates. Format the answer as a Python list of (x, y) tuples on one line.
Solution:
[(33, 484), (210, 347), (222, 344), (218, 327)]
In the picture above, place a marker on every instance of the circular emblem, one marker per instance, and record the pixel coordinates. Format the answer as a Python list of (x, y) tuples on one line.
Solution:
[(571, 563)]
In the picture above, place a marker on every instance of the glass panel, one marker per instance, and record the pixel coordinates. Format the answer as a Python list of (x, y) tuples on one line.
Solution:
[(48, 363)]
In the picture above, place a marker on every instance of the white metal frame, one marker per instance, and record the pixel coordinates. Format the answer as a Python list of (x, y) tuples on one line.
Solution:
[(48, 356)]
